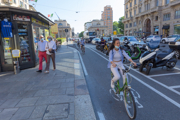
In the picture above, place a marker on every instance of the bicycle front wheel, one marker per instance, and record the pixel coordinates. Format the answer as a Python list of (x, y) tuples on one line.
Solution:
[(129, 103)]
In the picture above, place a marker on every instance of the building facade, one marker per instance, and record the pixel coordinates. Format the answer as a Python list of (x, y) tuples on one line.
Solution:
[(87, 25), (107, 17), (15, 3), (62, 25), (99, 27), (145, 17)]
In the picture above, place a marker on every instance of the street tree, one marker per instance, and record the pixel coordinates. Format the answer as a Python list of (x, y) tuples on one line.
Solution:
[(121, 25), (81, 34)]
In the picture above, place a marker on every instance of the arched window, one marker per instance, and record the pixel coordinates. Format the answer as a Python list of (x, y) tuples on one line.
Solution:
[(98, 24), (60, 24)]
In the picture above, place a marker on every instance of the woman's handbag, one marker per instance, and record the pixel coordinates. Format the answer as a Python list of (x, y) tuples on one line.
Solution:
[(52, 51)]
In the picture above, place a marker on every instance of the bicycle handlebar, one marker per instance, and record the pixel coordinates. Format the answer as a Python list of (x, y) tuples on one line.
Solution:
[(130, 66)]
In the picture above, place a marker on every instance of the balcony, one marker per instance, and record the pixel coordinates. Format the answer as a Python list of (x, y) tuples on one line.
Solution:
[(174, 2)]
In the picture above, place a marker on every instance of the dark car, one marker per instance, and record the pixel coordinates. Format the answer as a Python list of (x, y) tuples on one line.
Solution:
[(175, 45)]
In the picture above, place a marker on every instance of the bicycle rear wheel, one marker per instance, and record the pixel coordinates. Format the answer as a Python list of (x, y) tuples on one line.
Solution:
[(130, 104)]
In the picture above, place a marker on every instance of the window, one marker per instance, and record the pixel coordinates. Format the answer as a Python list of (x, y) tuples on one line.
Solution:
[(177, 14), (167, 1), (134, 2), (130, 14), (108, 18), (157, 2), (127, 6), (156, 18), (147, 6), (126, 25), (166, 17), (60, 24), (21, 4), (26, 1), (15, 1), (126, 15), (134, 12), (139, 22), (135, 24), (131, 4), (25, 6), (140, 10), (130, 24), (140, 0)]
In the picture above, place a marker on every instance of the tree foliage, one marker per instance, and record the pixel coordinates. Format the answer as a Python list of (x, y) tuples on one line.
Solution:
[(81, 34), (119, 26)]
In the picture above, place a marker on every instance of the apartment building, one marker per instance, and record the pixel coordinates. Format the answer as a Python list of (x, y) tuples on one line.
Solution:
[(107, 17), (15, 3), (145, 17)]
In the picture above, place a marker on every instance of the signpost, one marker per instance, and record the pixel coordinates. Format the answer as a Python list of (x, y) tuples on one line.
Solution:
[(66, 30)]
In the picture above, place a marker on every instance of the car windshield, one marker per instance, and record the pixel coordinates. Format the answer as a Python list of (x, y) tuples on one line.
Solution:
[(92, 33), (177, 39), (96, 39), (132, 39)]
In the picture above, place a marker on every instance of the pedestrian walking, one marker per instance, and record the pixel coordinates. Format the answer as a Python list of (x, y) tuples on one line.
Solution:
[(50, 51), (41, 52)]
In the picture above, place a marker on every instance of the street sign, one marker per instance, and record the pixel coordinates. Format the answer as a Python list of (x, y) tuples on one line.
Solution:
[(66, 30), (16, 53), (114, 32)]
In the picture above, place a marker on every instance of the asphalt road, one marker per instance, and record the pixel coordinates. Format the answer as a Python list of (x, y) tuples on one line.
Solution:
[(157, 95)]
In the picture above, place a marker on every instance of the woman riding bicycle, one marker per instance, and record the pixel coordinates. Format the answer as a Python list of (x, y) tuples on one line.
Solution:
[(116, 56)]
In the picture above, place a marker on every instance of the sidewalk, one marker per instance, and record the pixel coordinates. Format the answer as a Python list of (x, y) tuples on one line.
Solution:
[(60, 95)]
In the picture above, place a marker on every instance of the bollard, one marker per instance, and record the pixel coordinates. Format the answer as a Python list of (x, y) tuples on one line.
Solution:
[(16, 67)]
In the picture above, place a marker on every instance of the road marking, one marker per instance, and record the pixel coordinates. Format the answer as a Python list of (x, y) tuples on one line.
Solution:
[(156, 91), (176, 68), (153, 89), (83, 66), (177, 86), (164, 74)]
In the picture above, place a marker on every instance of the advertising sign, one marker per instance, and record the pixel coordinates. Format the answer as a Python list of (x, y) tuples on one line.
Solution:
[(16, 53), (21, 17), (38, 22)]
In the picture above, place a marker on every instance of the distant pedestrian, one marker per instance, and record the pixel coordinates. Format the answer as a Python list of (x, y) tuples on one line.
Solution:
[(50, 51), (41, 52)]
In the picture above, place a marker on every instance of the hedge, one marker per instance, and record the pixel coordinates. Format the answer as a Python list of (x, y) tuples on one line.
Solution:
[(61, 39)]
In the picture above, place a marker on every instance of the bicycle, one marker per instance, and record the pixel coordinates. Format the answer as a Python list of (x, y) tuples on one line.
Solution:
[(127, 94), (83, 49)]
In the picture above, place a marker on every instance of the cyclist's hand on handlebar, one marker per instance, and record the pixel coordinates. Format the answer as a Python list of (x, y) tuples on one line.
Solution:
[(134, 64), (113, 64)]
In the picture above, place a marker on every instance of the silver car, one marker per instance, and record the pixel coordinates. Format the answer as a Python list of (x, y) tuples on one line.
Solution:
[(95, 40), (153, 38), (170, 38)]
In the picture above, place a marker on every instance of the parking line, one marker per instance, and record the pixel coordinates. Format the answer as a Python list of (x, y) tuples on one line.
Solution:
[(153, 89), (164, 74), (167, 87), (177, 86)]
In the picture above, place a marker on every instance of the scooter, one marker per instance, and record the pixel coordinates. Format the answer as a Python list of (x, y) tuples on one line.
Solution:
[(157, 58)]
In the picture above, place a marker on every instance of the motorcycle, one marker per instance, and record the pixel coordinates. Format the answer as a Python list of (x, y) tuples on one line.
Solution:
[(157, 58), (106, 48)]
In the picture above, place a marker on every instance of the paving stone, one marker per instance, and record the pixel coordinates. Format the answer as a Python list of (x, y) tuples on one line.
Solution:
[(46, 100), (29, 93), (10, 103), (27, 102), (56, 111), (52, 86), (23, 113), (6, 114), (67, 85), (58, 91), (14, 95), (1, 110), (2, 101), (81, 87), (43, 93), (38, 112), (70, 91), (70, 80), (64, 99), (58, 81), (71, 108), (70, 117)]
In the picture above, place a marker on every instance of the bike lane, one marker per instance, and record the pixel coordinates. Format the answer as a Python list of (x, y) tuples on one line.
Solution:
[(151, 103)]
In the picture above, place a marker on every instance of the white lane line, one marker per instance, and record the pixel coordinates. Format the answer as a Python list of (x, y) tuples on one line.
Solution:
[(156, 91), (176, 68), (164, 74), (177, 86), (83, 66)]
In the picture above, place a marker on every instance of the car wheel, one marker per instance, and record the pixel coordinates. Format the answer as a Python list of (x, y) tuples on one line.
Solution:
[(163, 41), (177, 53)]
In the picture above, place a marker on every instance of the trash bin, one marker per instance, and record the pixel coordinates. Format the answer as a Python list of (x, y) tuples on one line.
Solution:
[(16, 67)]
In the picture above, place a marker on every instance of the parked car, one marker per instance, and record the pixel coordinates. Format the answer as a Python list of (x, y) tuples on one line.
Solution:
[(153, 38), (133, 40), (170, 38), (176, 46), (95, 40)]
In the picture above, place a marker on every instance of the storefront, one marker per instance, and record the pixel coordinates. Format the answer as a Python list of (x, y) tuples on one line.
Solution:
[(26, 26), (177, 29), (166, 29), (156, 30)]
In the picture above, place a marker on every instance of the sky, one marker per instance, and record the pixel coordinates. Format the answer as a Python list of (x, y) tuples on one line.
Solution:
[(87, 10)]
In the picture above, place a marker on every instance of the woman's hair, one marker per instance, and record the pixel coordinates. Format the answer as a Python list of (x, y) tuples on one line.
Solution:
[(112, 45)]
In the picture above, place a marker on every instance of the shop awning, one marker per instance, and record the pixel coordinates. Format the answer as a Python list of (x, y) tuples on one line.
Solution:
[(165, 27), (25, 11)]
